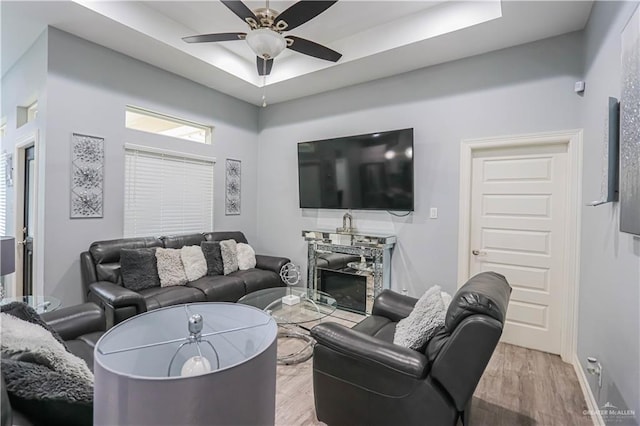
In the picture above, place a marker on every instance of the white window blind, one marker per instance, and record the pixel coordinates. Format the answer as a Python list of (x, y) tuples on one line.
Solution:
[(166, 194), (3, 193)]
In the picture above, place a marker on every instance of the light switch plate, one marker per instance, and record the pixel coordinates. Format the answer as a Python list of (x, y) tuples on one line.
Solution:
[(433, 213)]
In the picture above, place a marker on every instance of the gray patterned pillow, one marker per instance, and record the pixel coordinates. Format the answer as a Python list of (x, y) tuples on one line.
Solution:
[(424, 320), (170, 268), (139, 269), (229, 256), (213, 255)]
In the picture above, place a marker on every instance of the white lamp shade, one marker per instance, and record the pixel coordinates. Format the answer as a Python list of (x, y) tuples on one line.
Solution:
[(266, 43)]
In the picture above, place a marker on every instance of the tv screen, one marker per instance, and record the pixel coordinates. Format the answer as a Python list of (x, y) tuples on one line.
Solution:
[(373, 171)]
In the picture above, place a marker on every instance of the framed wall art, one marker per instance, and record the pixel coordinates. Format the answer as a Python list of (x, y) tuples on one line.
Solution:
[(87, 176), (630, 127), (233, 172)]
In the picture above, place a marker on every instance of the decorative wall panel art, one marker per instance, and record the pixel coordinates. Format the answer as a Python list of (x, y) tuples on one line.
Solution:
[(630, 127), (87, 176), (232, 187)]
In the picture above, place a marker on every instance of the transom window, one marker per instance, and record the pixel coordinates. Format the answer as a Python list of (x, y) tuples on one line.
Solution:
[(160, 124)]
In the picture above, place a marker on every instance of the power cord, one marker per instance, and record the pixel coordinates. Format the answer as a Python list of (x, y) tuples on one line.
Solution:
[(399, 215)]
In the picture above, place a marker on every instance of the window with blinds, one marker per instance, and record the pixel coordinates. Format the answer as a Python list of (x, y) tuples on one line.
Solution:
[(167, 193)]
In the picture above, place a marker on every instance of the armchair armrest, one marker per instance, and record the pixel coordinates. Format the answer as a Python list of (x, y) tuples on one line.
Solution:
[(116, 296), (355, 344), (74, 321), (271, 263), (392, 305)]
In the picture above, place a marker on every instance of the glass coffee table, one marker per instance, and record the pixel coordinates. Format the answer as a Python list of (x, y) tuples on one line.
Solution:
[(293, 320), (40, 304)]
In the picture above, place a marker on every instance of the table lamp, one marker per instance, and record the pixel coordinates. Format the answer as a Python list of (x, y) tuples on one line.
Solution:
[(195, 364), (7, 256), (7, 259)]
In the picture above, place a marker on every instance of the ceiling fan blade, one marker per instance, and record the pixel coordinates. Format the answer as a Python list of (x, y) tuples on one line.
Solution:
[(311, 48), (262, 70), (207, 38), (241, 10), (301, 12)]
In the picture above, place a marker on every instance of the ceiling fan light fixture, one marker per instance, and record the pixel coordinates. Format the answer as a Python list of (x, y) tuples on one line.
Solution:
[(266, 43)]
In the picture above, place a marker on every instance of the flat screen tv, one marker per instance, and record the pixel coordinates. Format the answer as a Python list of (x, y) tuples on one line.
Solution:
[(363, 172)]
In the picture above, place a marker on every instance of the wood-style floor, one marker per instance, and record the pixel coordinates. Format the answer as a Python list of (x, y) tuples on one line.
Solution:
[(520, 387)]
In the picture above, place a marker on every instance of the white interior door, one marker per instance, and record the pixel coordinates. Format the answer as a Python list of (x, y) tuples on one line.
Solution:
[(518, 213)]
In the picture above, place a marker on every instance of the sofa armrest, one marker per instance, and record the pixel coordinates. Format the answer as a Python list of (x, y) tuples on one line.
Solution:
[(116, 296), (271, 263), (357, 345), (392, 305), (87, 272), (74, 321)]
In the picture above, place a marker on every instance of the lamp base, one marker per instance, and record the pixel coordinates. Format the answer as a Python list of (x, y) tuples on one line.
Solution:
[(291, 300)]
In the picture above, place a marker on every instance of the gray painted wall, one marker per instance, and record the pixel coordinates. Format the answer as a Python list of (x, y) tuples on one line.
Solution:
[(518, 90), (88, 88), (609, 314)]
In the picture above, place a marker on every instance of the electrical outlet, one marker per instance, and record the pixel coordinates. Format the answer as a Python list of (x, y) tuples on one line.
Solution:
[(433, 213)]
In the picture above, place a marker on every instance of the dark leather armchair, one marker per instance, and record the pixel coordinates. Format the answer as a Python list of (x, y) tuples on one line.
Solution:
[(361, 377), (80, 326)]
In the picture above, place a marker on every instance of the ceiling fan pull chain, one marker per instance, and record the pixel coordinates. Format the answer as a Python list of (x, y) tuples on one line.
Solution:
[(264, 87)]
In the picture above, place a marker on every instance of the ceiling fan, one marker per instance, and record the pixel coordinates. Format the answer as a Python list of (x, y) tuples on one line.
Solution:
[(267, 25)]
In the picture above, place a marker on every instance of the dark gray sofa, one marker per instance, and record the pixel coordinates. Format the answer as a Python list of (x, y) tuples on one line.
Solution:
[(102, 281)]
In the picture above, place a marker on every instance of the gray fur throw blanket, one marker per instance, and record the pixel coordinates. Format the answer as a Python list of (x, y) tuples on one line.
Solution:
[(35, 362)]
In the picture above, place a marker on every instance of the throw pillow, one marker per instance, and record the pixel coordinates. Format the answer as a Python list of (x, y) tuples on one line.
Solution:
[(139, 268), (195, 265), (170, 268), (213, 255), (422, 323), (46, 383), (246, 256), (229, 256)]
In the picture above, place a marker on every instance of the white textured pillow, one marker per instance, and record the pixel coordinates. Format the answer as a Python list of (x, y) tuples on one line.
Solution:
[(424, 320), (229, 256), (170, 268), (246, 256), (195, 265)]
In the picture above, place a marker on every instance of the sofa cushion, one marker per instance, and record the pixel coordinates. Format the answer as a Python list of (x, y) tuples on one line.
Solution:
[(226, 235), (139, 268), (159, 297), (423, 322), (377, 326), (195, 265), (246, 256), (170, 268), (213, 256), (258, 279), (109, 251), (220, 288), (109, 272), (484, 294), (179, 241), (228, 248)]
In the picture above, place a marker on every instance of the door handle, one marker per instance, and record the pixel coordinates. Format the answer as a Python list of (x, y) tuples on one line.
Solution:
[(21, 243), (479, 253)]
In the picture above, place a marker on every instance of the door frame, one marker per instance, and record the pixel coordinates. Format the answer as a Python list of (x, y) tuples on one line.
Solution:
[(573, 140), (29, 140)]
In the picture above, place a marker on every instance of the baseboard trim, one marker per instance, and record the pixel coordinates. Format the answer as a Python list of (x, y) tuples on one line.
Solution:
[(592, 405)]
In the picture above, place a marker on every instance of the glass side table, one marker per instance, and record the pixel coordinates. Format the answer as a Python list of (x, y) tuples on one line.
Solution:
[(40, 304), (144, 367)]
